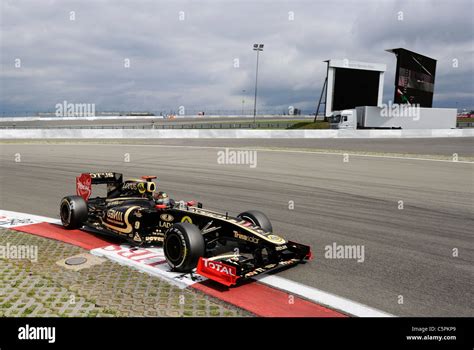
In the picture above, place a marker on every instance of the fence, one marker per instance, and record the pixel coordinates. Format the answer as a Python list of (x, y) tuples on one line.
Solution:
[(260, 125)]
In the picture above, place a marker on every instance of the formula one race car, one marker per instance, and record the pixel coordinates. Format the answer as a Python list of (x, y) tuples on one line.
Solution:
[(223, 248)]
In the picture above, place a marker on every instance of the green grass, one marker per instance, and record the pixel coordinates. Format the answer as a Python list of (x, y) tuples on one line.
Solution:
[(310, 125), (467, 120), (29, 310), (250, 120), (6, 305), (276, 123)]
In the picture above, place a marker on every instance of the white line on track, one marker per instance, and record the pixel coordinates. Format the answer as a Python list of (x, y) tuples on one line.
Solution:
[(321, 297), (272, 150)]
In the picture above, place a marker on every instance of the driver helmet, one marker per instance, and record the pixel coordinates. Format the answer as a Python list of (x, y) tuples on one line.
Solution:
[(162, 198)]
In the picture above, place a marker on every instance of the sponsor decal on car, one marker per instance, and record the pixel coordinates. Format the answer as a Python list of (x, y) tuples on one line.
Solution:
[(165, 224), (276, 239), (217, 271), (122, 226), (129, 186), (84, 186), (246, 238), (141, 187), (255, 272), (288, 262), (267, 267), (167, 217), (219, 267), (101, 175), (187, 219), (115, 215), (153, 239)]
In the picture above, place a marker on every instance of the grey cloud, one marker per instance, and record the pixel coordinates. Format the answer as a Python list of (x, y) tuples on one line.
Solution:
[(191, 62)]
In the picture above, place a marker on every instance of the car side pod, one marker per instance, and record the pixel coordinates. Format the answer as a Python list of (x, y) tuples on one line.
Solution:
[(217, 271)]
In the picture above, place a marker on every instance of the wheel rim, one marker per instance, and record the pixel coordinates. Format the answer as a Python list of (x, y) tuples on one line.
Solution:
[(65, 213), (173, 248)]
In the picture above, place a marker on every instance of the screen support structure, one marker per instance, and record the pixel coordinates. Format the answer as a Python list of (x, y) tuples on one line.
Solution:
[(320, 99)]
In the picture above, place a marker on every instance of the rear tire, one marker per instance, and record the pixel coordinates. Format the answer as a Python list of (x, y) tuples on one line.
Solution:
[(183, 245), (257, 218), (73, 212)]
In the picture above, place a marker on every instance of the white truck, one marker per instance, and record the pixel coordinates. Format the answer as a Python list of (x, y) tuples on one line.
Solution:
[(394, 117)]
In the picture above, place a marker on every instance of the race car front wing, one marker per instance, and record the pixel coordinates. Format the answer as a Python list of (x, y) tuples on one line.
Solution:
[(231, 269)]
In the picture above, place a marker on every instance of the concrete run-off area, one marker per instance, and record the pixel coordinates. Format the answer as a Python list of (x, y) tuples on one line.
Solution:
[(49, 288)]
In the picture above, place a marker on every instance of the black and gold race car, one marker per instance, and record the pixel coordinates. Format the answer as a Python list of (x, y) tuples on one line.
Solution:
[(223, 248)]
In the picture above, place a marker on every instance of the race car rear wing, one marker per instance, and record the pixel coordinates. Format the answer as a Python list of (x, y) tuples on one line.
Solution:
[(85, 181)]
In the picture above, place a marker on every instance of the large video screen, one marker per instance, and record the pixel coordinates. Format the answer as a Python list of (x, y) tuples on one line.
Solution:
[(355, 87), (415, 78)]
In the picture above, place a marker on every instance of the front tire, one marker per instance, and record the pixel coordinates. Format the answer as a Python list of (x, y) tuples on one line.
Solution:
[(73, 212), (183, 245), (257, 218)]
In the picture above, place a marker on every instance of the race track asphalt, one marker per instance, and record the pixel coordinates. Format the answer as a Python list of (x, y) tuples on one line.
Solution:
[(409, 268), (461, 146)]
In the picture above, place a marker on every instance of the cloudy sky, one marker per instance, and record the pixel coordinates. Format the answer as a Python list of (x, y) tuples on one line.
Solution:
[(198, 54)]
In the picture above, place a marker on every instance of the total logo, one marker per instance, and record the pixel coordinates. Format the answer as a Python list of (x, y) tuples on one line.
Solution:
[(219, 267)]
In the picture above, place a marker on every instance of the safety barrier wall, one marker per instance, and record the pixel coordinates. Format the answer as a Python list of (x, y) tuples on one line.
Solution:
[(225, 133)]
